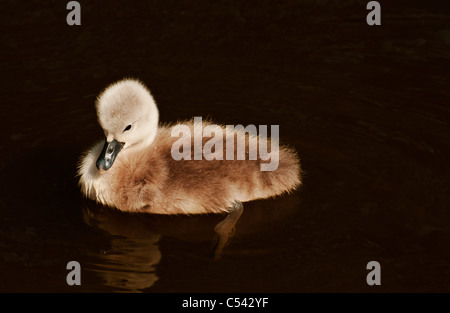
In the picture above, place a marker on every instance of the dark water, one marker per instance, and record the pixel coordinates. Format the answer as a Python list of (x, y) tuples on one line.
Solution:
[(367, 109)]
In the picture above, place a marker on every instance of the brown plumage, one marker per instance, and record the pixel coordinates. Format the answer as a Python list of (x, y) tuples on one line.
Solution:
[(145, 177)]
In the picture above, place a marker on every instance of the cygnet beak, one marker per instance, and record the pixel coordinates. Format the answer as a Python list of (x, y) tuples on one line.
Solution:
[(108, 154)]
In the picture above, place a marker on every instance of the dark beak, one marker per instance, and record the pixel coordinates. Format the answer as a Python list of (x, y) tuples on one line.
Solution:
[(108, 154)]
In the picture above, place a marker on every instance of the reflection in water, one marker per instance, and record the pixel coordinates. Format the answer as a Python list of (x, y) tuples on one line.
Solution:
[(130, 263), (131, 260)]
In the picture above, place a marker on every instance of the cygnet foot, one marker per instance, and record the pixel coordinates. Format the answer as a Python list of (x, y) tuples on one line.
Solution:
[(226, 228)]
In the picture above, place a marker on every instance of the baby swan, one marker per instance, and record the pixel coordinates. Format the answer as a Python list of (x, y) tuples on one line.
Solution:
[(134, 170)]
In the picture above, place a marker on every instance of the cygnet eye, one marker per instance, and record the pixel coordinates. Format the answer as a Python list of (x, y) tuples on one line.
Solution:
[(127, 128)]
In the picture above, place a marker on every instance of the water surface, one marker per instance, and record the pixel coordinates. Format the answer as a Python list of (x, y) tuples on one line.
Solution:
[(365, 107)]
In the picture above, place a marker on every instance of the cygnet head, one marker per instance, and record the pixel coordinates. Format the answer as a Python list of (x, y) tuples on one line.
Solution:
[(129, 117)]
